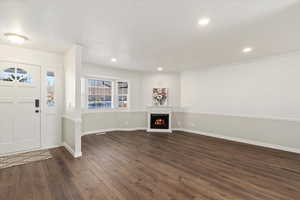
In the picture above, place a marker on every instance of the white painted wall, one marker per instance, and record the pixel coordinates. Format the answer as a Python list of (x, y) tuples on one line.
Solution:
[(264, 88), (255, 102), (161, 80), (51, 118), (17, 54), (140, 87), (73, 73), (133, 77), (141, 84)]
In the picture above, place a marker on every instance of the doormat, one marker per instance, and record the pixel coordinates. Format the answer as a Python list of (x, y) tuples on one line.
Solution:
[(23, 158)]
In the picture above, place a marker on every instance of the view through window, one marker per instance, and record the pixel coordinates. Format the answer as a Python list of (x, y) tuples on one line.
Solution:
[(50, 89), (99, 94), (122, 94)]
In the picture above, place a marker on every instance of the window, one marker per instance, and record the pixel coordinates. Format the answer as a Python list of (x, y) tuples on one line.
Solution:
[(122, 95), (15, 75), (50, 89), (100, 94), (7, 75), (22, 76)]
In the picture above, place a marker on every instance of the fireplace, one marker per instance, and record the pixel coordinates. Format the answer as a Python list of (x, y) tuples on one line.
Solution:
[(159, 121)]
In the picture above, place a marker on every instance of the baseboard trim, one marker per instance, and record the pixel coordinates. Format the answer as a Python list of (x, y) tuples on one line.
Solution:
[(71, 151), (112, 129), (72, 118), (235, 139), (159, 130), (34, 149), (51, 146), (252, 142)]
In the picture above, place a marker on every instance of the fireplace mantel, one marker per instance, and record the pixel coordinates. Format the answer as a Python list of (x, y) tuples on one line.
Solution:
[(159, 110)]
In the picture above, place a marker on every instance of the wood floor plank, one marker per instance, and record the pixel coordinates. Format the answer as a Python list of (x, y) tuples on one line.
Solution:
[(138, 166)]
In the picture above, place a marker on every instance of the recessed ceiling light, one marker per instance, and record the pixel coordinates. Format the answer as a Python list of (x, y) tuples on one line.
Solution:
[(15, 38), (160, 69), (247, 49), (113, 60), (204, 21)]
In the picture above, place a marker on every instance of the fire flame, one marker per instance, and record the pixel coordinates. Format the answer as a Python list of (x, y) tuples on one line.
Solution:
[(159, 122)]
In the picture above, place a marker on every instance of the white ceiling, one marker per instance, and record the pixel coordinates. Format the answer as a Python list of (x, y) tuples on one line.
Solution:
[(145, 34)]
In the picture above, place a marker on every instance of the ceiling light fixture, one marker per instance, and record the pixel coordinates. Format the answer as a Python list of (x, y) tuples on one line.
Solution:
[(113, 60), (15, 38), (204, 21), (247, 49), (160, 69)]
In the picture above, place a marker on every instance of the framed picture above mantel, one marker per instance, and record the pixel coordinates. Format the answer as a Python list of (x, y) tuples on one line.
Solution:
[(160, 97)]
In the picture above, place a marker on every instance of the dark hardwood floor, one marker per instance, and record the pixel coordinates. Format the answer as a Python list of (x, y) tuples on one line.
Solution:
[(132, 165)]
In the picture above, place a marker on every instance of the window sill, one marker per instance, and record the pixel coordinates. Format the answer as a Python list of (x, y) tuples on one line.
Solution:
[(111, 110)]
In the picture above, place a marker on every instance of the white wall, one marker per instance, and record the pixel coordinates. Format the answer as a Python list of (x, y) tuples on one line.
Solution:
[(17, 54), (255, 102), (70, 80), (265, 88), (108, 121), (73, 73), (141, 84), (51, 118), (133, 77), (161, 80)]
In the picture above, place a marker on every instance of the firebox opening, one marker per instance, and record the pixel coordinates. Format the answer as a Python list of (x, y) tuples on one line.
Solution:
[(159, 121)]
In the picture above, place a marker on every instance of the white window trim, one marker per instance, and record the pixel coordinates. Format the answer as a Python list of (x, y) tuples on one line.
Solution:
[(114, 95), (87, 96), (54, 108), (117, 95)]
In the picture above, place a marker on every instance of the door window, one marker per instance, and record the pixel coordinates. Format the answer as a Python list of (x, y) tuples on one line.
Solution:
[(15, 75)]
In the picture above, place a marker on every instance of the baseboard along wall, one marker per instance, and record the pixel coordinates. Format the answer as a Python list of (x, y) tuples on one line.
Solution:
[(271, 133)]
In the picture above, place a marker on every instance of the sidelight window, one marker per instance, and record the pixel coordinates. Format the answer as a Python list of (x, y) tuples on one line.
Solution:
[(50, 89)]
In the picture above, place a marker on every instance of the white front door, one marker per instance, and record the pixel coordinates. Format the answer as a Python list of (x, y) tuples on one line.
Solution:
[(20, 118)]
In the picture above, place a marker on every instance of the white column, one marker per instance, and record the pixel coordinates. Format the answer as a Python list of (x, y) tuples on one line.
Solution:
[(73, 70)]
